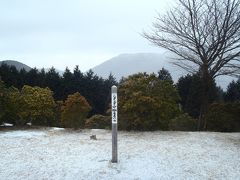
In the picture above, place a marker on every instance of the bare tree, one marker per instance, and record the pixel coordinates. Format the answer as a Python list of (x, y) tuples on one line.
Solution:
[(205, 36)]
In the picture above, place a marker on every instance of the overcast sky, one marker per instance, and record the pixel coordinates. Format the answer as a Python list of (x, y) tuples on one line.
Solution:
[(60, 33)]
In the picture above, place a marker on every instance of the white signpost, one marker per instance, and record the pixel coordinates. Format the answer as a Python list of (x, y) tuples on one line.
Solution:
[(114, 124)]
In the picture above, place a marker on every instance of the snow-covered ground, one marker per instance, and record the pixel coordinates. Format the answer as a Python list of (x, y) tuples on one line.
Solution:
[(62, 154)]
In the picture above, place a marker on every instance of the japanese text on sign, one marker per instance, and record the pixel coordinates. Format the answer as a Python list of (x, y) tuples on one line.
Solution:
[(114, 108)]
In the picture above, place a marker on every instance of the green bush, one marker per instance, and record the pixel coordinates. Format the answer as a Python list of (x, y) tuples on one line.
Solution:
[(98, 122), (224, 117), (146, 103), (183, 122), (38, 106)]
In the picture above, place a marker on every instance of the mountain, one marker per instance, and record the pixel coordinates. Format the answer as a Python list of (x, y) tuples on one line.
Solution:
[(20, 66), (124, 65), (127, 64), (17, 64)]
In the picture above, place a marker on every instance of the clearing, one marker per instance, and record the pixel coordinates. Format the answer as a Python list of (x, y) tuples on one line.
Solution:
[(57, 153)]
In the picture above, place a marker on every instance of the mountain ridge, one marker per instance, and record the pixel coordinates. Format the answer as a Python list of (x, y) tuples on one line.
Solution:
[(127, 64), (17, 64)]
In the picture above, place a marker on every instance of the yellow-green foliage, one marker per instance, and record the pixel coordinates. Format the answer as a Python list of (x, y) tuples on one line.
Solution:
[(75, 111), (98, 122), (146, 103), (38, 105), (223, 117)]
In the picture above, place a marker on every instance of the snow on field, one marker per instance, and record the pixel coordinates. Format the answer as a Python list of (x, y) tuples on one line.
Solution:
[(62, 154)]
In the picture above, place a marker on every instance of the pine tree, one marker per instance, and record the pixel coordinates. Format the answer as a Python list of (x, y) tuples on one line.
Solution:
[(233, 92), (54, 82), (164, 75)]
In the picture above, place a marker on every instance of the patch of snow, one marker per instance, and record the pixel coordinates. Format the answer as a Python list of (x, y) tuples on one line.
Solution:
[(98, 130), (6, 125), (57, 129), (29, 124), (44, 154), (22, 134)]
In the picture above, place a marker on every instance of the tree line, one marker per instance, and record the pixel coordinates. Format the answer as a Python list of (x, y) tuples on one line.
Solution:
[(153, 102), (94, 88), (146, 101)]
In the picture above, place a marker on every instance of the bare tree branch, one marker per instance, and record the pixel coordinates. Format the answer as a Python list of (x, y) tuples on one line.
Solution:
[(205, 36), (204, 32)]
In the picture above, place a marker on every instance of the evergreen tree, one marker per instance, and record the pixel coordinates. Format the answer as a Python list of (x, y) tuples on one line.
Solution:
[(67, 83), (54, 82), (22, 77), (233, 92), (92, 92), (9, 75), (164, 75), (190, 90), (32, 77), (41, 78), (78, 80), (77, 73)]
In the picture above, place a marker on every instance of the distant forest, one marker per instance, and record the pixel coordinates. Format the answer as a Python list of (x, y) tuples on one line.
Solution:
[(97, 90), (223, 113)]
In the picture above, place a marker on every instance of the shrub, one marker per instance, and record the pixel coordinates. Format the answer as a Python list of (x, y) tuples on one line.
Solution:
[(183, 122), (98, 122), (38, 106), (146, 103), (224, 117), (74, 111), (31, 104)]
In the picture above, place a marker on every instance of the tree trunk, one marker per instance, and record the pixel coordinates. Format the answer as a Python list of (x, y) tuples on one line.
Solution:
[(206, 84), (203, 110)]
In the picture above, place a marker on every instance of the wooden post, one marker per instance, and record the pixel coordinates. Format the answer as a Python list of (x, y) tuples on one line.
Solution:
[(114, 125)]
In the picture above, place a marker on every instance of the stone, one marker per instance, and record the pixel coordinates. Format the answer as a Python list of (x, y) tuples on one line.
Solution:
[(93, 137)]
